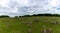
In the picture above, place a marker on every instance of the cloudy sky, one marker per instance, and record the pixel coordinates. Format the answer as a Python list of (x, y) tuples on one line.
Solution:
[(23, 7)]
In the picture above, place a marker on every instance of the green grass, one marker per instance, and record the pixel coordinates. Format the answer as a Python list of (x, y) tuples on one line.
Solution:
[(15, 25)]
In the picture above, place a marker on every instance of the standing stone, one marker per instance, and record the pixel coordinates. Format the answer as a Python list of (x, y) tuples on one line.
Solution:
[(30, 23), (43, 27), (44, 31), (45, 21), (36, 20), (27, 22), (52, 23), (49, 30), (56, 22)]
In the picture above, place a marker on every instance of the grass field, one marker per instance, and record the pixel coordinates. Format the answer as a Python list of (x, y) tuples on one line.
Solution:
[(15, 25)]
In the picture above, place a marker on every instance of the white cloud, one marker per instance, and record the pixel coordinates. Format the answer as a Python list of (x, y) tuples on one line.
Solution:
[(53, 3), (21, 2), (22, 7), (4, 3), (15, 10)]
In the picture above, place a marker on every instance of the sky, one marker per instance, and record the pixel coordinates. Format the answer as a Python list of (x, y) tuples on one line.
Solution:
[(29, 7)]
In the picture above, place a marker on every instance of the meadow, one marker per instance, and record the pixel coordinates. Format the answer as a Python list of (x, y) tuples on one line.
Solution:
[(16, 25)]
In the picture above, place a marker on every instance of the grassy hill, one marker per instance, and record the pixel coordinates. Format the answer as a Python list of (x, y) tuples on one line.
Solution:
[(16, 25)]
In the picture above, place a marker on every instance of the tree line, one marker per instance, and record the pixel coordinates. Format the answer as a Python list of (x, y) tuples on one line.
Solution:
[(55, 15)]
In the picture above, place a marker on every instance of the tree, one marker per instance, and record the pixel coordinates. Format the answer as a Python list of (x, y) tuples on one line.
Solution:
[(4, 16)]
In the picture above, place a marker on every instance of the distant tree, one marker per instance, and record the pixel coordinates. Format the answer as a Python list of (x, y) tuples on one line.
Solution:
[(47, 14), (16, 17), (4, 16), (20, 16), (34, 15), (27, 16)]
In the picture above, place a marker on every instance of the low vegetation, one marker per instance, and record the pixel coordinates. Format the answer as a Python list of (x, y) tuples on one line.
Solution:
[(30, 24)]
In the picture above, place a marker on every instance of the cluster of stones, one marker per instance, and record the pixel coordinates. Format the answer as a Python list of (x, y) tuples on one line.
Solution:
[(53, 22), (44, 30), (29, 26)]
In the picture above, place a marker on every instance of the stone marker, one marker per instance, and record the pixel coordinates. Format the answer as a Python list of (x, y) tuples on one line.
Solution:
[(43, 27), (30, 23), (52, 22), (45, 21), (36, 20), (56, 22), (49, 30), (43, 31)]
